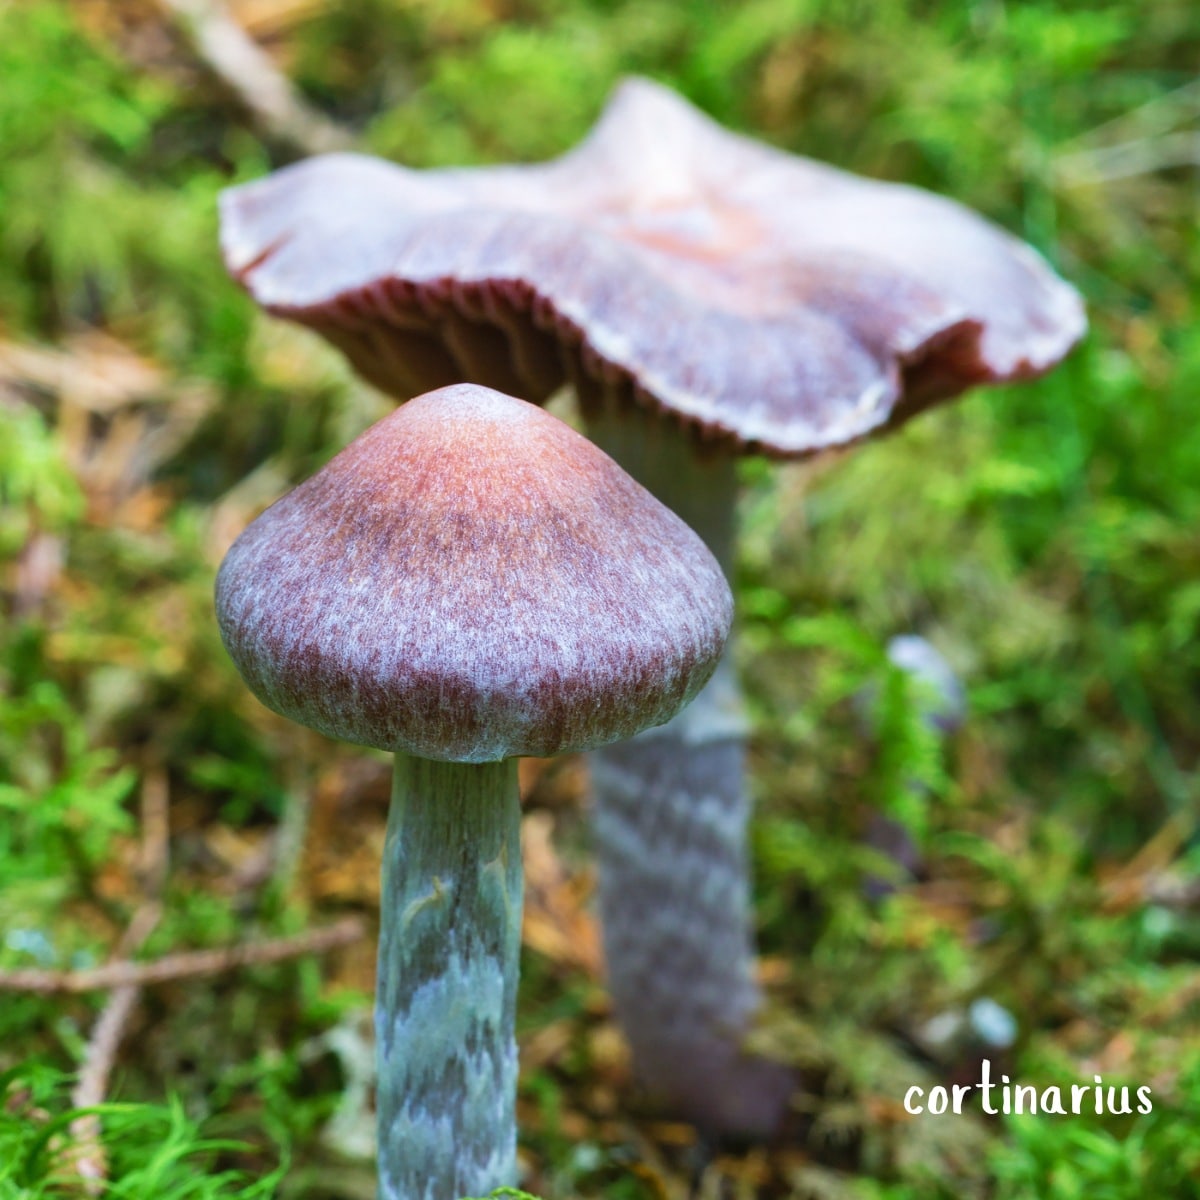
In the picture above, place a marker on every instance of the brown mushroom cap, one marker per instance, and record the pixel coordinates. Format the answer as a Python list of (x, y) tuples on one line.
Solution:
[(471, 579), (771, 301)]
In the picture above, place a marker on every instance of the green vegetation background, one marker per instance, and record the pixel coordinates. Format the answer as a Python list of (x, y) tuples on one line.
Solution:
[(1046, 537)]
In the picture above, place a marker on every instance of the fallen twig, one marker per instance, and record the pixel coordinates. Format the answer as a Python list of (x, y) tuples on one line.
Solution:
[(91, 1162), (242, 65), (186, 965), (1127, 159), (1145, 139)]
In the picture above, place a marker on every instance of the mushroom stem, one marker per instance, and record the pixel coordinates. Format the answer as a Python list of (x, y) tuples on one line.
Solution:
[(447, 986), (697, 482), (670, 819)]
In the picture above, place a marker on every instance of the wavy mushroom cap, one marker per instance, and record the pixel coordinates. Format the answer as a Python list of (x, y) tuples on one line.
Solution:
[(767, 299), (469, 580)]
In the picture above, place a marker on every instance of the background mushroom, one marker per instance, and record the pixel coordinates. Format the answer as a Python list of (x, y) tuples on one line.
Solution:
[(468, 581), (706, 296), (939, 702)]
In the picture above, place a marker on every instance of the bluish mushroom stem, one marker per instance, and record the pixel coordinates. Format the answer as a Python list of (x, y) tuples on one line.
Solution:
[(447, 984), (670, 819)]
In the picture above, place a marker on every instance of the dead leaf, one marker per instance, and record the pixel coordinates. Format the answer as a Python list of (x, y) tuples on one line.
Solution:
[(557, 924)]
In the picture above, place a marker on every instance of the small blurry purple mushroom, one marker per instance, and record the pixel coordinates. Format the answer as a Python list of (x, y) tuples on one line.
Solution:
[(468, 581), (706, 296), (941, 704), (941, 700)]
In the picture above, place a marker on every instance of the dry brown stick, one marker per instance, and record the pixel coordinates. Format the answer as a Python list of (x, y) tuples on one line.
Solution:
[(246, 69), (90, 1159), (186, 965), (126, 979), (1124, 160), (91, 1162)]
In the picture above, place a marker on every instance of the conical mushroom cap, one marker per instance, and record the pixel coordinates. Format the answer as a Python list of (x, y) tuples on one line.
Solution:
[(469, 580), (768, 300)]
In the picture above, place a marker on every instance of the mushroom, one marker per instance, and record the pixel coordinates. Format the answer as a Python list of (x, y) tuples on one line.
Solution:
[(941, 706), (468, 581), (941, 698), (706, 296)]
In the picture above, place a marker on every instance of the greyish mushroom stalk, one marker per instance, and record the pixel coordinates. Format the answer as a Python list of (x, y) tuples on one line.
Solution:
[(469, 581), (706, 296)]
